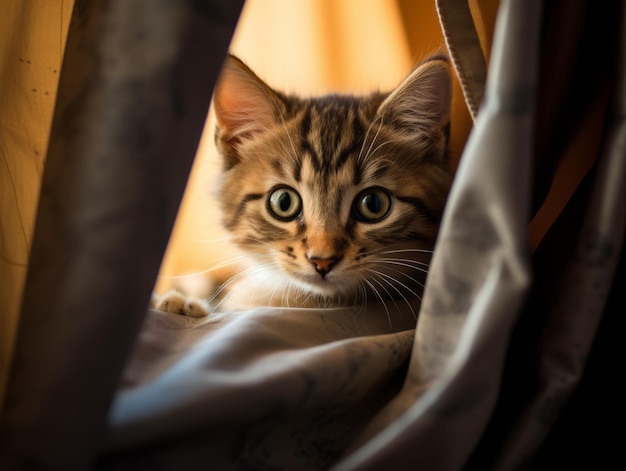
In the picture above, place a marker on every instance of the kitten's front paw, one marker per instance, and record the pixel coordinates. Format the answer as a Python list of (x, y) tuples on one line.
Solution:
[(177, 303)]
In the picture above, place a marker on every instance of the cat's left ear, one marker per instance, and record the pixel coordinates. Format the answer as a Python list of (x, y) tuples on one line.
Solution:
[(244, 106), (421, 103)]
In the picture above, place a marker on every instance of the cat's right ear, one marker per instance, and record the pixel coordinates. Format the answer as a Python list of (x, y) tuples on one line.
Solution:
[(421, 103), (244, 106)]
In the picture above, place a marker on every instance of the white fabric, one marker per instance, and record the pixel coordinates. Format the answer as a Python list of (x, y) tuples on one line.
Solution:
[(282, 383)]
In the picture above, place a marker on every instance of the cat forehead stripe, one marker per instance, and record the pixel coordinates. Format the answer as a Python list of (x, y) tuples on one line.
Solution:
[(332, 130)]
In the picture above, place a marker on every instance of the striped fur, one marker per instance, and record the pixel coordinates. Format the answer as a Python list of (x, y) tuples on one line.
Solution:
[(329, 150)]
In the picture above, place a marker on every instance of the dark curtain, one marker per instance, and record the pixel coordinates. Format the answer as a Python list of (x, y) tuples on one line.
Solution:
[(135, 90)]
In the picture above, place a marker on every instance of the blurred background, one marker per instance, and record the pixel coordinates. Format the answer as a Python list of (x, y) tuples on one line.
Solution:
[(308, 47), (304, 46)]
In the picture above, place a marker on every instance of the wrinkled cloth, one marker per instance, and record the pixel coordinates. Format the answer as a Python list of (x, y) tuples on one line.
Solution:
[(285, 388), (522, 280)]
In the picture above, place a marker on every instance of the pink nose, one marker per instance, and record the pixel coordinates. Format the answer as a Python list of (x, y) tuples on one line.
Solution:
[(323, 265)]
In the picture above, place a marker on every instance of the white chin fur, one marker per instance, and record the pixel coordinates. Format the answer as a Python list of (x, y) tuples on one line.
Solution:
[(330, 287), (313, 284)]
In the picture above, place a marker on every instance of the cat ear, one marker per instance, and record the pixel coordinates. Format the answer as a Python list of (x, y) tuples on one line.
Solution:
[(244, 105), (421, 103)]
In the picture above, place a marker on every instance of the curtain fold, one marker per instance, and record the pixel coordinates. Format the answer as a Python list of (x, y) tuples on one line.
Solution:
[(135, 88), (575, 262), (479, 274), (518, 335), (32, 40), (583, 292)]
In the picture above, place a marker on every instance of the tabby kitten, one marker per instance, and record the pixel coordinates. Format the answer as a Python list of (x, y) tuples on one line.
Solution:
[(335, 199)]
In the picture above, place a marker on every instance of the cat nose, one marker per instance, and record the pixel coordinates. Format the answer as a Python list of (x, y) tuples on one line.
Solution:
[(323, 265)]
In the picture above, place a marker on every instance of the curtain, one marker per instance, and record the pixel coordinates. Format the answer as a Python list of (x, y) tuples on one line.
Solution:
[(32, 40), (515, 353), (124, 133), (325, 47)]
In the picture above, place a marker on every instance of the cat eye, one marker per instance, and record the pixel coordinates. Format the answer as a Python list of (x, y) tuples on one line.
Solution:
[(372, 205), (284, 203)]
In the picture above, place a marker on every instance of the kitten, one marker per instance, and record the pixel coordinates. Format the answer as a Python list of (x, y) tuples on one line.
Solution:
[(336, 200)]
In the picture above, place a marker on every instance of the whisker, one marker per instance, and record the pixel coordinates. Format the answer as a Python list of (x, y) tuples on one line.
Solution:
[(265, 243), (370, 154), (233, 279), (369, 128), (395, 262), (358, 296), (364, 296), (212, 241), (379, 283), (389, 277), (408, 250), (367, 154), (287, 292), (415, 263), (385, 251), (406, 275), (293, 147), (389, 280), (226, 284), (227, 263), (378, 295), (233, 261)]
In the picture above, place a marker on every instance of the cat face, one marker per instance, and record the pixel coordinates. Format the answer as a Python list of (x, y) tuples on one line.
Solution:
[(338, 196)]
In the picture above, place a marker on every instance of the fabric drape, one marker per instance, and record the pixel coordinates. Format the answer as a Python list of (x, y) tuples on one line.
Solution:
[(510, 360), (124, 133), (32, 40), (479, 274)]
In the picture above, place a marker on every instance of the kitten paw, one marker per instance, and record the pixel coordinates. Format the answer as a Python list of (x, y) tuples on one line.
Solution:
[(177, 303)]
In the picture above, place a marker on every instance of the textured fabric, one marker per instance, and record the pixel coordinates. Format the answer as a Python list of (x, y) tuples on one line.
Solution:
[(32, 39), (133, 96), (575, 260), (281, 388), (478, 277), (482, 378)]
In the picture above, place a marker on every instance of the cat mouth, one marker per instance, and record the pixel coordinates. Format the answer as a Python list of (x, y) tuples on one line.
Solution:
[(327, 285)]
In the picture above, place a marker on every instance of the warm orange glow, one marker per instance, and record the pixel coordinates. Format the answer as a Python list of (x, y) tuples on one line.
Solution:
[(305, 47), (32, 40), (322, 46)]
